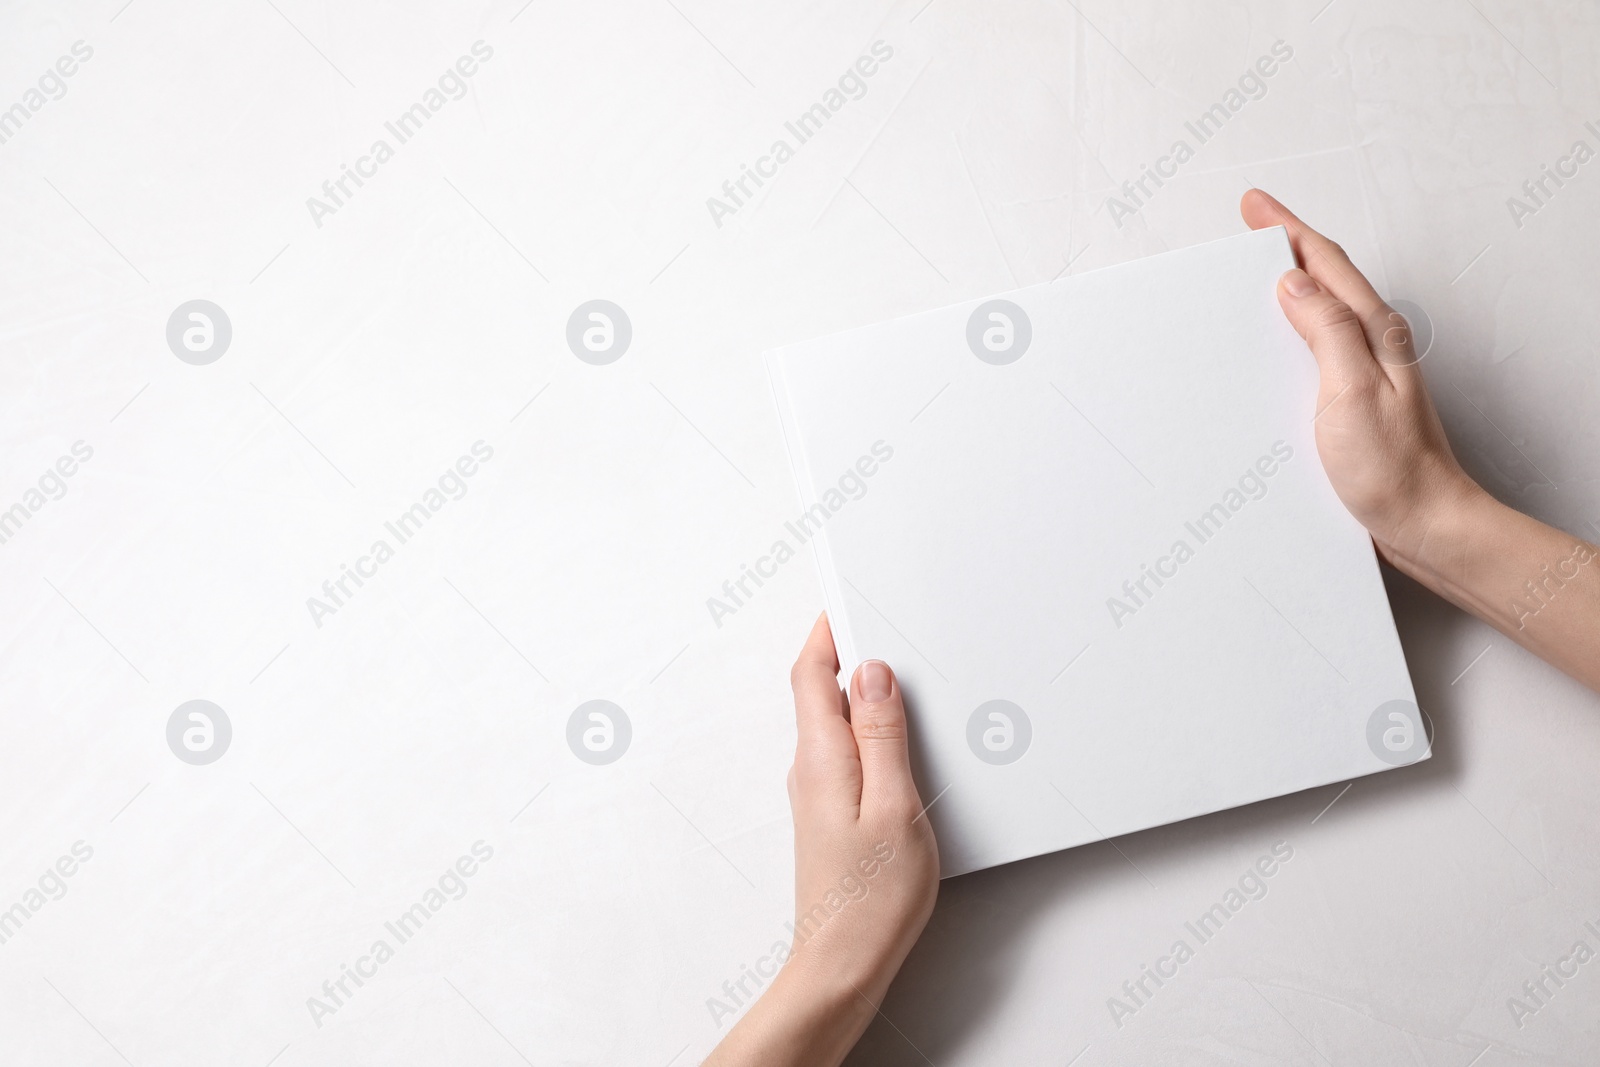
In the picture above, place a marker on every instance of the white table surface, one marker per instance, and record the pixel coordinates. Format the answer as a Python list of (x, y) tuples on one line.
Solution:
[(429, 712)]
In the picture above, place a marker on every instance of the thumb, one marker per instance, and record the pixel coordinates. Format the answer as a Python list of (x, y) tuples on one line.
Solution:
[(1333, 331), (878, 717)]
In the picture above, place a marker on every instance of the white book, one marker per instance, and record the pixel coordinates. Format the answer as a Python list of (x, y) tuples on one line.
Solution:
[(1087, 525)]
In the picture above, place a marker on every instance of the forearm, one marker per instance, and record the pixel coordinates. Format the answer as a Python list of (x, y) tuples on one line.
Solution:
[(1535, 584), (796, 1023)]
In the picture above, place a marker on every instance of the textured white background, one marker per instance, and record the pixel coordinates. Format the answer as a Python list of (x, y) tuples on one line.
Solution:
[(370, 352)]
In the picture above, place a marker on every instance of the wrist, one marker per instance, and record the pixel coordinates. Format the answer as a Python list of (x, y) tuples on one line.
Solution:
[(810, 1017), (842, 981), (1436, 542)]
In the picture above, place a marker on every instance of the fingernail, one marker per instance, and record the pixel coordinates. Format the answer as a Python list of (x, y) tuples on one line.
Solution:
[(1299, 283), (875, 681)]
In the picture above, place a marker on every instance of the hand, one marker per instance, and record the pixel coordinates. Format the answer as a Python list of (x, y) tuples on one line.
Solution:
[(1385, 452), (859, 830), (866, 866), (1379, 437)]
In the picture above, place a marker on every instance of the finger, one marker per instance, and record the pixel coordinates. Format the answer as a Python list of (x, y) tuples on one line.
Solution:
[(824, 747), (1389, 336), (1332, 330), (1321, 258), (878, 718)]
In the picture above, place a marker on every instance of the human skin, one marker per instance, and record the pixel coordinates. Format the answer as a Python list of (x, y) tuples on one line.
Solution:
[(854, 802), (1385, 452)]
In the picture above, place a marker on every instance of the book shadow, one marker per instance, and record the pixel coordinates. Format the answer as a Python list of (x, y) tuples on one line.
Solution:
[(961, 970)]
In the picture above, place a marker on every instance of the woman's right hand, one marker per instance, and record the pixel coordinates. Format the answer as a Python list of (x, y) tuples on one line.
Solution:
[(1387, 457), (1379, 437)]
